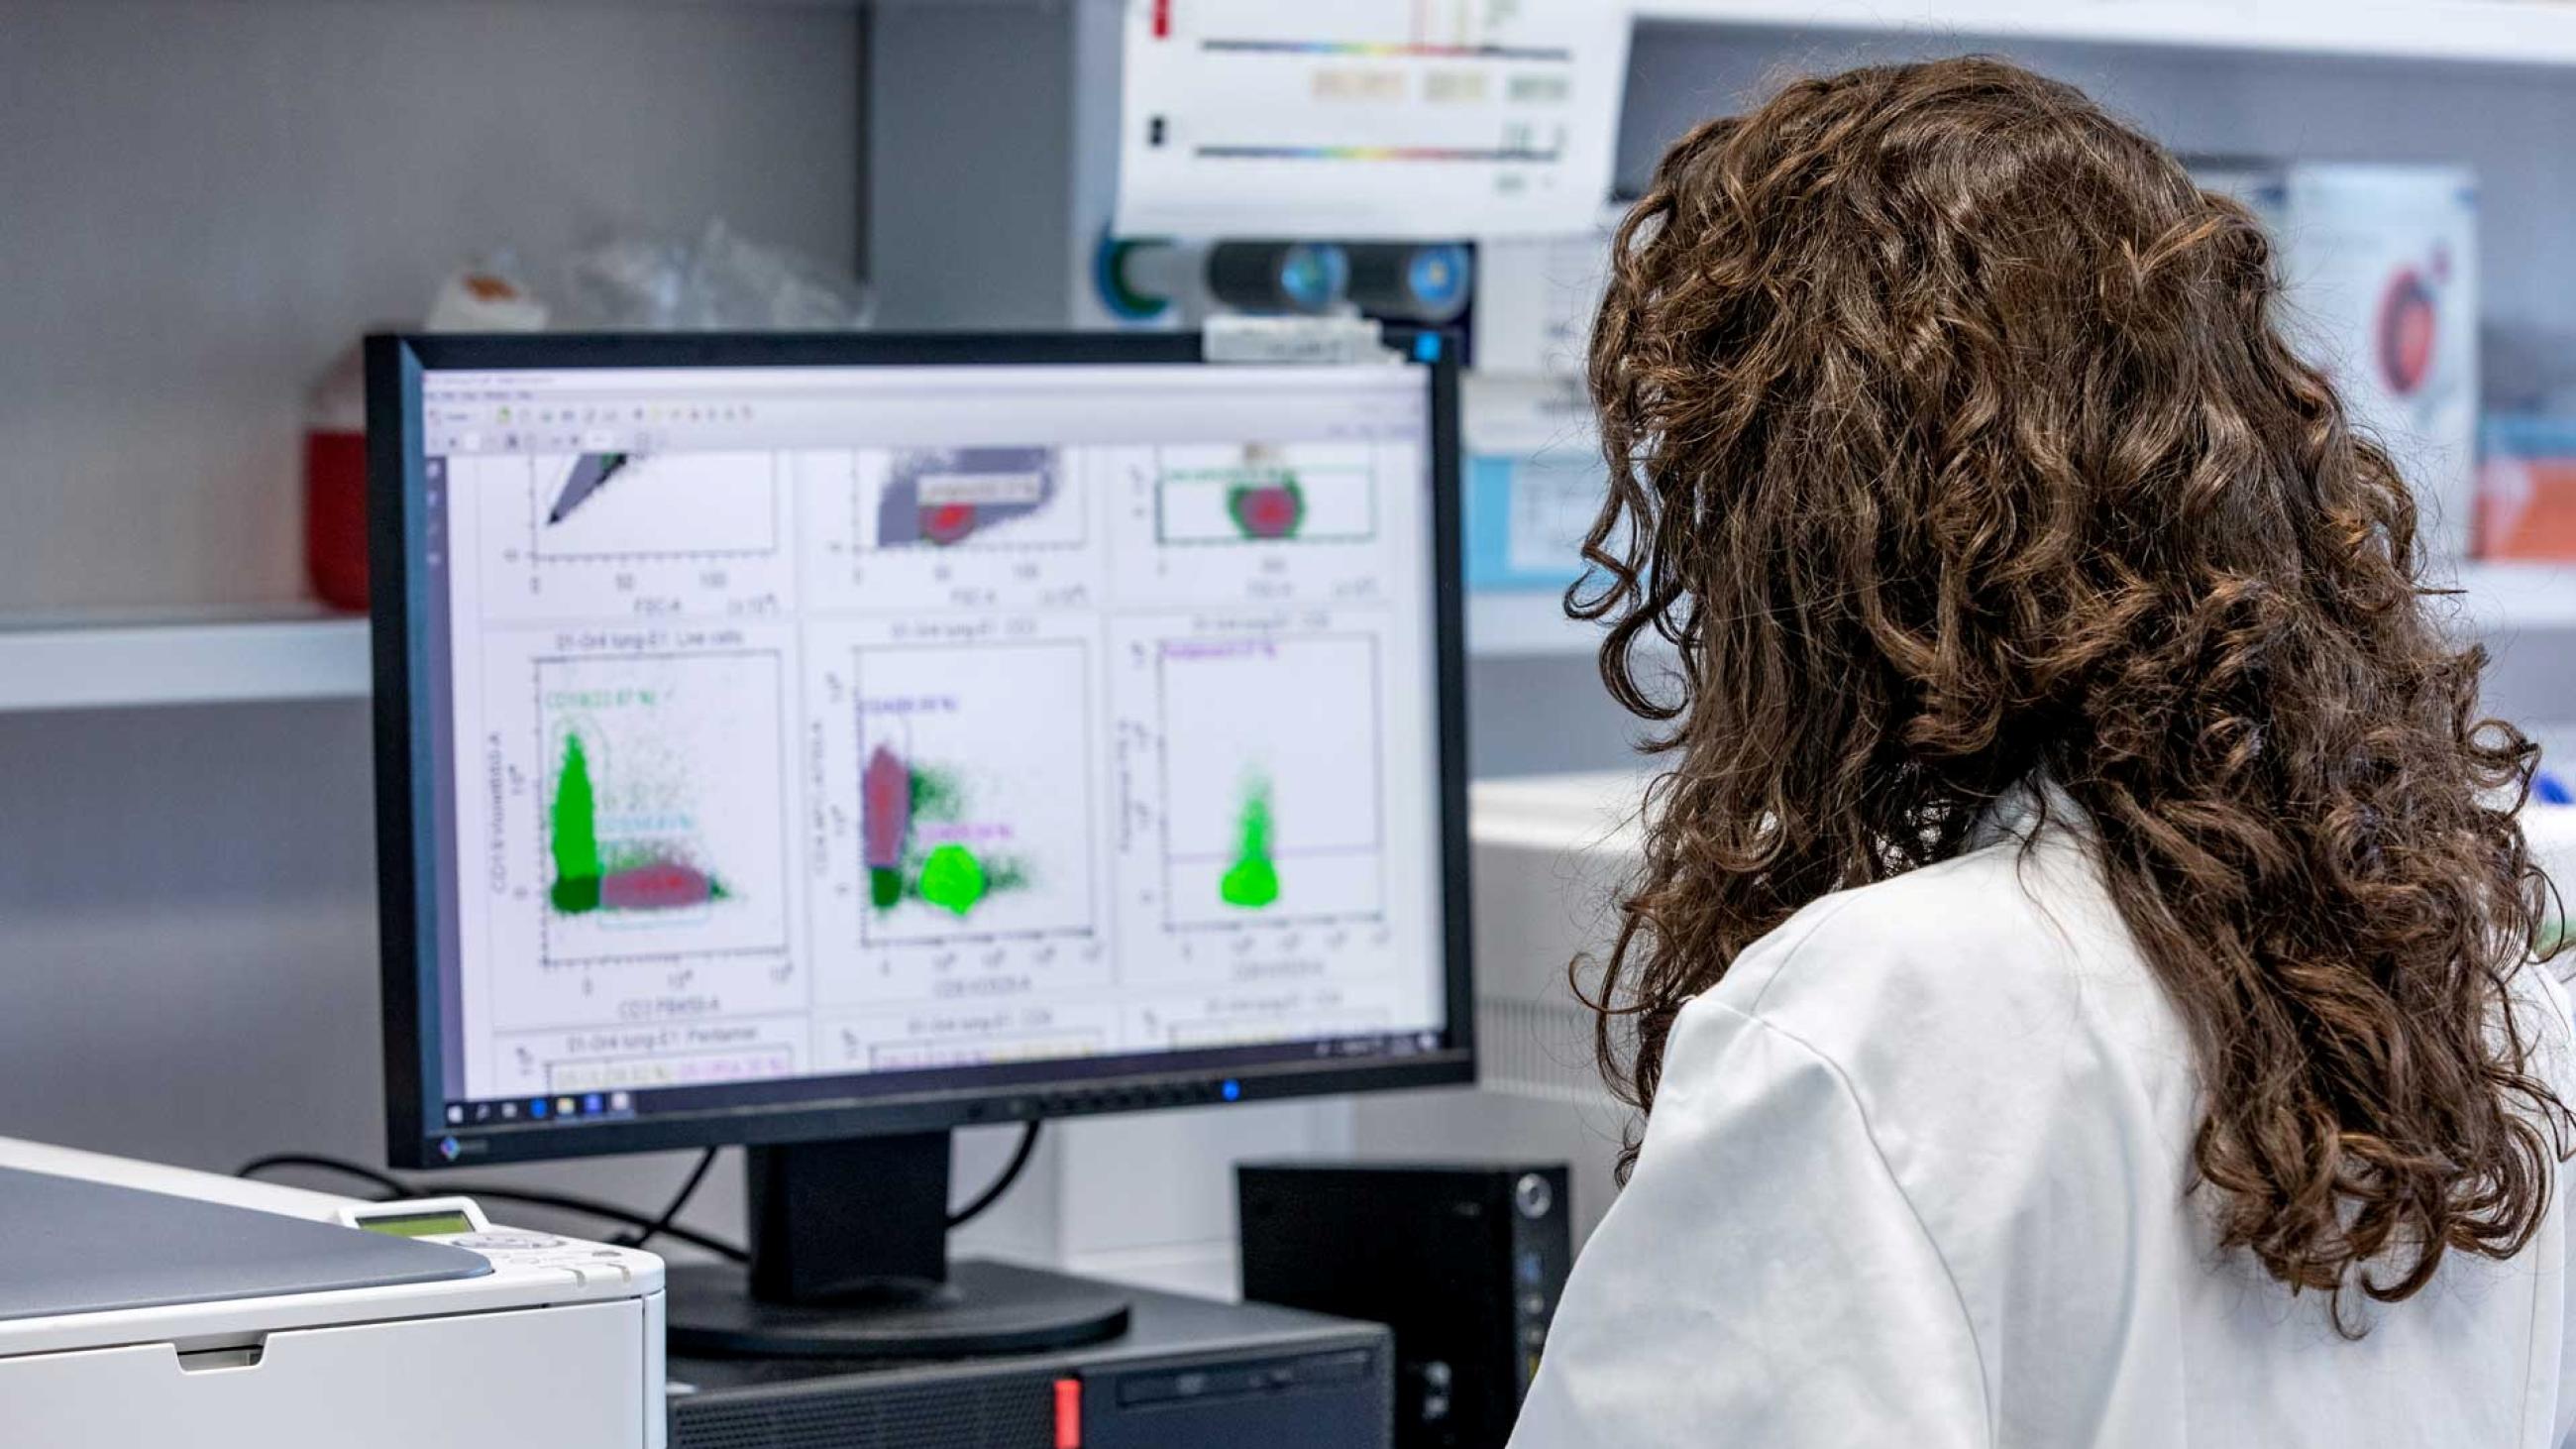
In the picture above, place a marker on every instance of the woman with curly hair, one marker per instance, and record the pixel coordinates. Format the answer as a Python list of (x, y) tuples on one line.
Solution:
[(2080, 983)]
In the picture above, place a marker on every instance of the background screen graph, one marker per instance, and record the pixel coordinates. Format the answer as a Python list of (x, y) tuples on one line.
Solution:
[(974, 786), (1271, 757), (644, 505), (662, 807), (982, 497), (1266, 493)]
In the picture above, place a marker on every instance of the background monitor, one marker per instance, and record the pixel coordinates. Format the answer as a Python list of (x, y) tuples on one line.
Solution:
[(795, 740)]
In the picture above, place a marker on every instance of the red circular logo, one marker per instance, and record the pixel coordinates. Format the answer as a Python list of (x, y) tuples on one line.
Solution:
[(2407, 324)]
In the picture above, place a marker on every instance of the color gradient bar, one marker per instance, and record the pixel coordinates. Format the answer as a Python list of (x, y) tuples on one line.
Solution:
[(1376, 153), (1382, 49)]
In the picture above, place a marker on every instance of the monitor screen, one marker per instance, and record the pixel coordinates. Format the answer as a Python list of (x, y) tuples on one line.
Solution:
[(795, 749)]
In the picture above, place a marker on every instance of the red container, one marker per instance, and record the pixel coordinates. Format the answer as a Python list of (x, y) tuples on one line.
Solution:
[(335, 516), (335, 483)]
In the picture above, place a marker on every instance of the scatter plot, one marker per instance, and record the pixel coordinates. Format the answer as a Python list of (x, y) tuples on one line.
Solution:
[(605, 507), (1270, 759), (1265, 493), (970, 498), (662, 806), (973, 791)]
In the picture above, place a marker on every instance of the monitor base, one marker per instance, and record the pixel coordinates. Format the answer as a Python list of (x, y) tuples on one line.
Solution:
[(983, 1308)]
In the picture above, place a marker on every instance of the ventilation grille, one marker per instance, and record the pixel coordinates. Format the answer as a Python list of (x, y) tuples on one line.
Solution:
[(1012, 1413)]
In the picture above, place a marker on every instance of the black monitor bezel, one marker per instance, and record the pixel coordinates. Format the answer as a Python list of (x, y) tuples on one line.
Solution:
[(404, 739)]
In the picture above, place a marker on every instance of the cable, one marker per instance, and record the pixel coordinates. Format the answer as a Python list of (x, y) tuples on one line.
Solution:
[(604, 1211), (645, 1229), (383, 1182), (1001, 1184), (394, 1187), (658, 1226)]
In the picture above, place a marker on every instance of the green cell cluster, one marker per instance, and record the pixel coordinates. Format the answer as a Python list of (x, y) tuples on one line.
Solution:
[(952, 878), (885, 886), (936, 794), (574, 823), (1253, 880)]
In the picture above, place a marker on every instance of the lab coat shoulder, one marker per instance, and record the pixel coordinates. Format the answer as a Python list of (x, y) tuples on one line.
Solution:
[(1761, 1280), (1917, 1173), (2024, 928), (1979, 1005), (2033, 1093), (1908, 1139)]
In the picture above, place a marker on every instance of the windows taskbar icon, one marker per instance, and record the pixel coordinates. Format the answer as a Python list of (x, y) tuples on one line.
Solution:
[(540, 1109)]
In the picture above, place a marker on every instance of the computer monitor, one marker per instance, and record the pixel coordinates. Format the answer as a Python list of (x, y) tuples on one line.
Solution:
[(820, 743)]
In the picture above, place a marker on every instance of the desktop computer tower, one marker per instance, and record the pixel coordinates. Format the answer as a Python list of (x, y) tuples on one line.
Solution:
[(1186, 1374), (1465, 1262)]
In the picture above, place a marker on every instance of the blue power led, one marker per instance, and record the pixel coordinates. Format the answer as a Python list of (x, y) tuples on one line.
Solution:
[(1231, 1090), (1426, 347)]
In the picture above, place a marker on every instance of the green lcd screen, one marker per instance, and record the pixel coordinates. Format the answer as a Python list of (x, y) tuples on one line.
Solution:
[(418, 1225)]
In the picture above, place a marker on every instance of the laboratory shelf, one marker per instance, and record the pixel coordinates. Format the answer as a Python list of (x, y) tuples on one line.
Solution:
[(2508, 32), (2497, 599), (115, 660)]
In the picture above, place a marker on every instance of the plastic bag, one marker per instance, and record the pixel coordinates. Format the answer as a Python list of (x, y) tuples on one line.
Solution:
[(722, 281)]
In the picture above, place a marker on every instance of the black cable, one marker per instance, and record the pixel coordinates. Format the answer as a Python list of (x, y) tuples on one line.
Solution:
[(1001, 1184), (646, 1229), (394, 1187), (383, 1182), (658, 1226), (604, 1211)]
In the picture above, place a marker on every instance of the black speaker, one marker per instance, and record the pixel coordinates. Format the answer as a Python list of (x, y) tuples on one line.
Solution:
[(1465, 1261)]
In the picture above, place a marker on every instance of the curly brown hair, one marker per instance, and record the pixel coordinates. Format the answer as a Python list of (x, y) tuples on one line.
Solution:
[(1953, 445)]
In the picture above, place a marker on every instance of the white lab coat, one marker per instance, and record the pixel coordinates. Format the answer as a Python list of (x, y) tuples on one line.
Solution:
[(1915, 1176)]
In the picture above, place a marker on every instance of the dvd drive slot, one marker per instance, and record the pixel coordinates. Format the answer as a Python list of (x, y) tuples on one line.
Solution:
[(1200, 1383)]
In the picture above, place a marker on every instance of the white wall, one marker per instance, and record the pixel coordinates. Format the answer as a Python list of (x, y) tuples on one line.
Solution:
[(206, 201)]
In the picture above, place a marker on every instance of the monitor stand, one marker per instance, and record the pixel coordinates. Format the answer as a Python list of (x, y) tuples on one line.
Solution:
[(849, 1259)]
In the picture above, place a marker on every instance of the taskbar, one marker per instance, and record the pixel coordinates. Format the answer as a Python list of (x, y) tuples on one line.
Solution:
[(640, 1101)]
